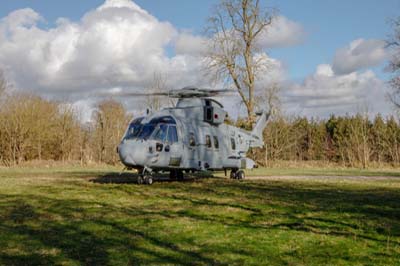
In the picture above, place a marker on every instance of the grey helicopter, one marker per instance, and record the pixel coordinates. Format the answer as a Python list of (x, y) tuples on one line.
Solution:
[(189, 137)]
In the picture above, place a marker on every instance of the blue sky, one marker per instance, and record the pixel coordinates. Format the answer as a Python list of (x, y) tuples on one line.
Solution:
[(337, 61), (329, 24)]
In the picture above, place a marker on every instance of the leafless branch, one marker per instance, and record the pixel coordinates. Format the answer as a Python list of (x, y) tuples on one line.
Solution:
[(233, 30)]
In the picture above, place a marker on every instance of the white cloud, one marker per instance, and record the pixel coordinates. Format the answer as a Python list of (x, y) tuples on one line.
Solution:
[(283, 32), (120, 4), (116, 45), (359, 54), (120, 46), (324, 70), (190, 44), (345, 86), (325, 93), (21, 18)]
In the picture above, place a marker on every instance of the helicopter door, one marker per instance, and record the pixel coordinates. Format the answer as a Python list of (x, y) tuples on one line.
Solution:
[(173, 149), (217, 162), (210, 154), (192, 151)]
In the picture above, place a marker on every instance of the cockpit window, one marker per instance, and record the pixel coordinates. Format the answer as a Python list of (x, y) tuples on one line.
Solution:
[(134, 129), (172, 134), (156, 129), (163, 119), (160, 133), (146, 131)]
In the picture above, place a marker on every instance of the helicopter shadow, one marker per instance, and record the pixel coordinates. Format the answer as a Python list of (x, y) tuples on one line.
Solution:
[(132, 178)]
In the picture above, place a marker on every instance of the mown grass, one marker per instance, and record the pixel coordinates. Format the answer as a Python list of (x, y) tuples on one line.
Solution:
[(75, 216), (324, 171)]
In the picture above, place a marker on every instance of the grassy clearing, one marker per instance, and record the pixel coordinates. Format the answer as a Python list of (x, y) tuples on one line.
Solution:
[(324, 171), (75, 216)]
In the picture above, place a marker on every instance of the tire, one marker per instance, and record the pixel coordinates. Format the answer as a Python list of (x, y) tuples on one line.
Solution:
[(148, 180), (179, 175), (173, 175), (140, 180), (233, 174), (240, 174)]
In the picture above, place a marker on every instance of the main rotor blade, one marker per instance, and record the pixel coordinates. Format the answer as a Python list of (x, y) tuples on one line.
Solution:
[(142, 94), (186, 92), (131, 94)]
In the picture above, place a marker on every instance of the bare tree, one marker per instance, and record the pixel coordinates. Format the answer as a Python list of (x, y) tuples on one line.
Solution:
[(110, 121), (269, 98), (394, 63), (3, 83), (158, 84), (235, 54)]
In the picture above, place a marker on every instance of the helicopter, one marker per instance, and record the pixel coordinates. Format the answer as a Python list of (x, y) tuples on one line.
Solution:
[(189, 137)]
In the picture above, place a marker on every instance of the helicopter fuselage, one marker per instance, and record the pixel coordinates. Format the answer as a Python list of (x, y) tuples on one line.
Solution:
[(191, 136)]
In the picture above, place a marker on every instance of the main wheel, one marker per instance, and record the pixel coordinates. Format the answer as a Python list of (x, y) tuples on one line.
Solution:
[(179, 175), (240, 174), (140, 180), (233, 174), (148, 179), (173, 175)]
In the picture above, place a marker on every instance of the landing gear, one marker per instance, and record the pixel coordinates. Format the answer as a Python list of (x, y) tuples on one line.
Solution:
[(140, 179), (148, 179), (237, 174), (180, 175), (240, 174), (145, 177), (176, 175), (233, 174)]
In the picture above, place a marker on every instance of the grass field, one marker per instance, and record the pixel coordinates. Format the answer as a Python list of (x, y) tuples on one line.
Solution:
[(76, 216)]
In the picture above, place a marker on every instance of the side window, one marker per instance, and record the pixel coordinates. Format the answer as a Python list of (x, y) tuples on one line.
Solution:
[(172, 134), (208, 141), (233, 144), (192, 140), (216, 143)]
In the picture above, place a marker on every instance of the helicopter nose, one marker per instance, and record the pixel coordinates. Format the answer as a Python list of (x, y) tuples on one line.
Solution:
[(132, 153)]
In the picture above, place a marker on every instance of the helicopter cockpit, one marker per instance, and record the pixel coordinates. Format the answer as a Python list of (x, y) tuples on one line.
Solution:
[(160, 128)]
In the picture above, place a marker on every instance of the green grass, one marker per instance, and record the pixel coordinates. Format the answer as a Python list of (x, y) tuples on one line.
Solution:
[(327, 171), (76, 216)]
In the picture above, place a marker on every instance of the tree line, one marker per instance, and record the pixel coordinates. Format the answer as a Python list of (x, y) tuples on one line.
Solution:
[(33, 128), (355, 141)]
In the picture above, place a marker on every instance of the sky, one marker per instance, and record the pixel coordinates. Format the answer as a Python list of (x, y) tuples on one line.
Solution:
[(329, 56)]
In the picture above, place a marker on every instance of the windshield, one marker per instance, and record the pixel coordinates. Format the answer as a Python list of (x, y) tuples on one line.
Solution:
[(133, 129), (157, 129), (146, 131), (165, 133), (160, 133)]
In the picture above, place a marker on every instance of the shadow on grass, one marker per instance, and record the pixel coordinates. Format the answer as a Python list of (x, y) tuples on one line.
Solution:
[(93, 231), (129, 178), (370, 211), (86, 240)]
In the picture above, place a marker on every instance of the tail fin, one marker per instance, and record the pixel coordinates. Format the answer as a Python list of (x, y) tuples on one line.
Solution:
[(260, 125)]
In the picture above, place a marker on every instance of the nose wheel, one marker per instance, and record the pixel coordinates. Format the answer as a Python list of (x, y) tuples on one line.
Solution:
[(148, 179), (145, 178)]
